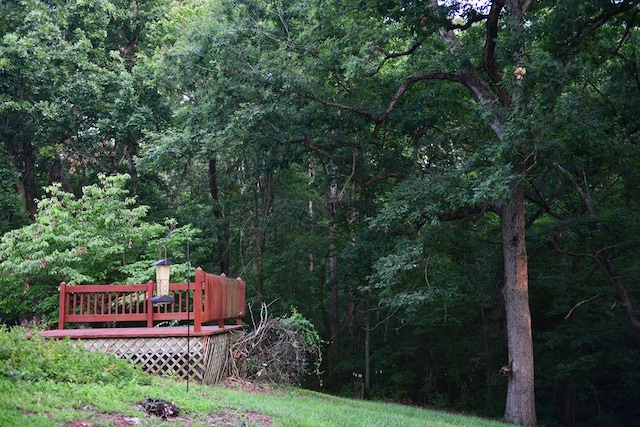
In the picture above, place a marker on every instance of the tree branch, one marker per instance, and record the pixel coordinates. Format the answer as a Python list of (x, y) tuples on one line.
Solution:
[(378, 119), (542, 202), (488, 54), (472, 213), (392, 55), (591, 25), (132, 41), (579, 304), (410, 81), (586, 200), (604, 259)]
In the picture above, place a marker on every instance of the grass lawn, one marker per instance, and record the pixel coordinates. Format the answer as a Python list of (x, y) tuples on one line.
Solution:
[(52, 383), (47, 403)]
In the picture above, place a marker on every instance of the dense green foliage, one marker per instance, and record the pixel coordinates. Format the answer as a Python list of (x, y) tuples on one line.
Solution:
[(101, 237), (27, 356), (347, 159)]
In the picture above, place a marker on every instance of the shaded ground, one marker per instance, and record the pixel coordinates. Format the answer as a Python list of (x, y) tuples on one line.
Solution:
[(227, 418)]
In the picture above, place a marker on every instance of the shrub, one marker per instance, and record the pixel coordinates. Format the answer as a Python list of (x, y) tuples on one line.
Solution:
[(26, 355)]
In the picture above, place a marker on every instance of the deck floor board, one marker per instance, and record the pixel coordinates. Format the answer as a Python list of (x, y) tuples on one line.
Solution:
[(163, 331)]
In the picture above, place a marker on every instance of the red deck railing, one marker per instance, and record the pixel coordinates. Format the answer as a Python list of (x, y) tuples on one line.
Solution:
[(210, 298), (222, 298)]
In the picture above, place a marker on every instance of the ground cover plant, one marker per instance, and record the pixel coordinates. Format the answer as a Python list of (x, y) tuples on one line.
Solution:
[(49, 383)]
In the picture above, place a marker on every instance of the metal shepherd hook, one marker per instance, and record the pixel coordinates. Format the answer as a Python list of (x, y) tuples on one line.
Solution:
[(188, 255)]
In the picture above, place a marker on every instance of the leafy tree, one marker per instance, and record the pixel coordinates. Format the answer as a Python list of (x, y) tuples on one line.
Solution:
[(101, 237), (416, 177), (69, 101), (423, 113)]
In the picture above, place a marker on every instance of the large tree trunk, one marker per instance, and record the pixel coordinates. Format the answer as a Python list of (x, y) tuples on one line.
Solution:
[(223, 240), (333, 283), (23, 158), (520, 406), (262, 201)]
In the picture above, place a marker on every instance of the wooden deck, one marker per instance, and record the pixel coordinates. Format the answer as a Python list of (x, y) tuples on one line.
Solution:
[(210, 298), (199, 351), (165, 351), (157, 332)]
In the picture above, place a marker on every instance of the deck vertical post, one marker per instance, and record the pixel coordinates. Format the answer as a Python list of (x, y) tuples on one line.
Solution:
[(197, 301), (218, 298), (62, 305), (242, 296), (150, 287)]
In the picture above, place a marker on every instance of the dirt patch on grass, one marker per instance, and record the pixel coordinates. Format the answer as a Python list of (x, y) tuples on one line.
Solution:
[(216, 419), (235, 383), (227, 418), (234, 419)]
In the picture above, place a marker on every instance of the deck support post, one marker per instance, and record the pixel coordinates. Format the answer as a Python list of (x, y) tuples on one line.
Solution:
[(61, 305), (150, 289)]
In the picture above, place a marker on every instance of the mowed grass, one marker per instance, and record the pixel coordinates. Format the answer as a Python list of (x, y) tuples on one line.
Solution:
[(47, 403), (53, 383), (296, 407)]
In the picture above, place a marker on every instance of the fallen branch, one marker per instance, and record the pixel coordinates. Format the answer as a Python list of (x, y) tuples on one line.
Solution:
[(281, 350)]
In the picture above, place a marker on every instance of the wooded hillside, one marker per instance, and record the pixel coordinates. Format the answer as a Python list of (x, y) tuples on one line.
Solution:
[(448, 190)]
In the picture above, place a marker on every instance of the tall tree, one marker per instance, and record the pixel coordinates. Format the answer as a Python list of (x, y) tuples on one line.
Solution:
[(101, 237), (449, 99), (70, 105)]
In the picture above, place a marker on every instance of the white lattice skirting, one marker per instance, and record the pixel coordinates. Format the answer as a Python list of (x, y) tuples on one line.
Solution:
[(205, 359)]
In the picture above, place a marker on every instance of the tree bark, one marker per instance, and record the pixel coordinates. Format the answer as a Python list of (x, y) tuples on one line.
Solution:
[(23, 158), (520, 405), (222, 237), (367, 347), (262, 201), (609, 268), (333, 281), (260, 239), (56, 174)]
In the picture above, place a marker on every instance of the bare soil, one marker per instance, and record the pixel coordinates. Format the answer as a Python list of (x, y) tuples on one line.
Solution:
[(227, 418)]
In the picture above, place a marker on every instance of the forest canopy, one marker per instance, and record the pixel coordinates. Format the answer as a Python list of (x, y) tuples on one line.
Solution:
[(448, 190)]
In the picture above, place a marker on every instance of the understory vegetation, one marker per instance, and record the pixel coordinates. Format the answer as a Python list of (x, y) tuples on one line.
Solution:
[(27, 356)]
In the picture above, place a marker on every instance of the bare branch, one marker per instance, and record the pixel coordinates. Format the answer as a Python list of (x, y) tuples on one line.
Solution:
[(410, 81), (282, 350), (586, 200), (349, 178), (407, 52), (542, 202), (381, 177), (338, 105), (579, 304), (392, 55)]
